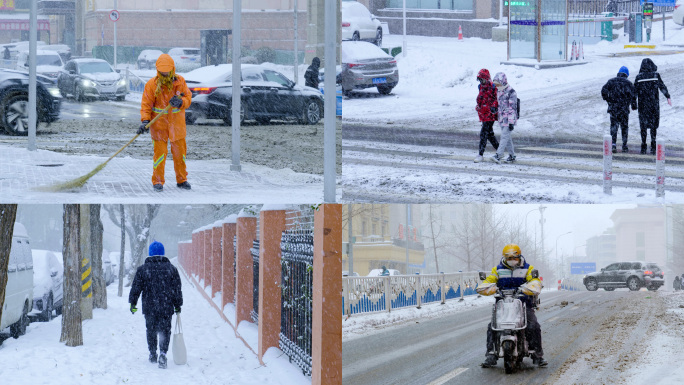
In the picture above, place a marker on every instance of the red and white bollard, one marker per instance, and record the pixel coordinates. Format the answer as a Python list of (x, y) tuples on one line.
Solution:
[(660, 168), (607, 165), (460, 33)]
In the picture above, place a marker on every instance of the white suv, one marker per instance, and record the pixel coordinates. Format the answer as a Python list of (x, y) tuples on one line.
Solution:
[(186, 59), (19, 290), (359, 24)]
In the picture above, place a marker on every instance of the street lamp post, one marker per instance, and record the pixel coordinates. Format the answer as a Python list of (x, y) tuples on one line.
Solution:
[(528, 213), (557, 238)]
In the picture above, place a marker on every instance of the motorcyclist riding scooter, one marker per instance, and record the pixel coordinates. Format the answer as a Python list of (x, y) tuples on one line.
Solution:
[(513, 273)]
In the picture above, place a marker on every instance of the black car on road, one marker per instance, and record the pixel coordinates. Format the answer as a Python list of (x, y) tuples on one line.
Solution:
[(266, 94), (14, 94), (632, 275)]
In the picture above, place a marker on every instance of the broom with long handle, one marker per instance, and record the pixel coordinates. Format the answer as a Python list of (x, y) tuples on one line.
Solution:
[(79, 182)]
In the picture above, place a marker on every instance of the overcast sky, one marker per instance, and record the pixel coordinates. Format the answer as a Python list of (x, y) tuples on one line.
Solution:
[(584, 221)]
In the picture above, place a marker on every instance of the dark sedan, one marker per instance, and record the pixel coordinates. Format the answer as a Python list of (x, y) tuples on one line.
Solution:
[(365, 65), (91, 78), (14, 86), (266, 94)]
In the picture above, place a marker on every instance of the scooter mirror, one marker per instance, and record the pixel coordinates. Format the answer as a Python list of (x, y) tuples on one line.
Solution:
[(535, 273), (483, 275)]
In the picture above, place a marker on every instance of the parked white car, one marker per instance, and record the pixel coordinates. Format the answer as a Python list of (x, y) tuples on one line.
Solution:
[(48, 63), (148, 58), (359, 24), (48, 283), (19, 290), (678, 14), (186, 59), (63, 50)]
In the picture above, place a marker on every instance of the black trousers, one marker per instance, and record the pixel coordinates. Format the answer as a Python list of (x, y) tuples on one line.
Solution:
[(158, 324), (622, 121), (532, 333), (646, 123), (487, 133)]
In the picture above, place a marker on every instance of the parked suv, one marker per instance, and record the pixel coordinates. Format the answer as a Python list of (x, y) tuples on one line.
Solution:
[(48, 279), (632, 275), (19, 290)]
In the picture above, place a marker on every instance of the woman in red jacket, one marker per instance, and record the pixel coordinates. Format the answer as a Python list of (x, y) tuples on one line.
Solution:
[(165, 89), (486, 108)]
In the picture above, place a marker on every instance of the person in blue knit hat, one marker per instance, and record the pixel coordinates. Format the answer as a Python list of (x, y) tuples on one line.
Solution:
[(159, 282), (620, 94)]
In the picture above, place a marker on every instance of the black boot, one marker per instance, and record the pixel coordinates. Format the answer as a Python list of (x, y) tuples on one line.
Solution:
[(162, 360), (158, 187), (643, 148), (614, 148), (153, 357), (653, 148), (539, 361), (185, 185), (625, 148), (490, 361)]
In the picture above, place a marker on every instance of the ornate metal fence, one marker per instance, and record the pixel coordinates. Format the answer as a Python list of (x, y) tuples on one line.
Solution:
[(234, 268), (374, 294), (255, 268), (297, 295)]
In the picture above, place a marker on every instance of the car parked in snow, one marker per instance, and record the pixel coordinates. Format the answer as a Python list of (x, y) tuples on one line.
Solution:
[(14, 90), (364, 65), (87, 78), (48, 63), (107, 271), (19, 290), (147, 59), (678, 13), (359, 24), (266, 94), (48, 279), (632, 275), (63, 50), (186, 59)]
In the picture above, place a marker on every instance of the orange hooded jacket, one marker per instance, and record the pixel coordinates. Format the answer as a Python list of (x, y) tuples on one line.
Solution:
[(172, 126)]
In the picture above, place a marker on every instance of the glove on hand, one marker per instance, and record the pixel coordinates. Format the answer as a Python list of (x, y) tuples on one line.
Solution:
[(176, 102), (177, 310), (143, 127), (669, 101), (133, 309), (486, 288), (531, 288), (510, 127)]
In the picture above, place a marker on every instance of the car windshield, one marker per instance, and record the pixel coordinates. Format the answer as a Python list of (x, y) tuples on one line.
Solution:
[(95, 67), (48, 60), (191, 52)]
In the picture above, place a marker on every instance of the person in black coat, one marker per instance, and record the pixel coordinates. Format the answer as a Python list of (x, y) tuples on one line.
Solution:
[(620, 94), (159, 282), (647, 84), (311, 74)]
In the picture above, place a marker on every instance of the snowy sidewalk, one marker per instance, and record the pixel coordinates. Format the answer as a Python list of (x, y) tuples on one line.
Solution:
[(115, 351), (128, 180)]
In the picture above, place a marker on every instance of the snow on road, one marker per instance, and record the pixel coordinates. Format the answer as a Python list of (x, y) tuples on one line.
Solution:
[(115, 351)]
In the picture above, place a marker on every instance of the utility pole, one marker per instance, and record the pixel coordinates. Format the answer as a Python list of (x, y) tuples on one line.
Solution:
[(408, 221), (541, 221), (350, 243)]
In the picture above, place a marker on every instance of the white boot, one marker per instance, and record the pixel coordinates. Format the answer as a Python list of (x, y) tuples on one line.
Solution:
[(478, 159)]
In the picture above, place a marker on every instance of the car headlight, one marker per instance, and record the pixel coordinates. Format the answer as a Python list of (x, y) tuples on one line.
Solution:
[(54, 91), (87, 83), (121, 82)]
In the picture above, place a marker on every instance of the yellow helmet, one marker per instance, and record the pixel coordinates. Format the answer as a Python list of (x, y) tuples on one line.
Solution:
[(511, 251)]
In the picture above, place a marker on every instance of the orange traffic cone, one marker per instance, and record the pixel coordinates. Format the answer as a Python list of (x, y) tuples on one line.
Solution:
[(460, 33)]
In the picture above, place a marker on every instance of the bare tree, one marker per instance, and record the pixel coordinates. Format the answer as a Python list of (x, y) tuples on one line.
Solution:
[(122, 259), (72, 331), (8, 214), (137, 224), (99, 284), (438, 243)]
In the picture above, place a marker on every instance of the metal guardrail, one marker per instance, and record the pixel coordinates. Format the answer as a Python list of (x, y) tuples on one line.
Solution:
[(572, 284), (297, 297), (234, 268), (134, 83), (375, 294), (255, 269)]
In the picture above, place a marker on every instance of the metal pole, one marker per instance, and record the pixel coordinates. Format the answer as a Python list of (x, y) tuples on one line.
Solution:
[(607, 165), (663, 24), (330, 122), (350, 252), (660, 168), (408, 219), (541, 222), (236, 104), (296, 38), (33, 115), (500, 13), (403, 44), (115, 38)]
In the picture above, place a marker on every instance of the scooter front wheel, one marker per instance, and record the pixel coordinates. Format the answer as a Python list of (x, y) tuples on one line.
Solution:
[(508, 356)]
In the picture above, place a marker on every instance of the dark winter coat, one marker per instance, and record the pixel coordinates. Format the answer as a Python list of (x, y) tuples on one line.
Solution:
[(486, 98), (159, 282), (311, 74), (620, 94), (647, 84)]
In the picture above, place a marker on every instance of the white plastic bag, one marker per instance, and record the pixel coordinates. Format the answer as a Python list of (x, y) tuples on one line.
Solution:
[(180, 356)]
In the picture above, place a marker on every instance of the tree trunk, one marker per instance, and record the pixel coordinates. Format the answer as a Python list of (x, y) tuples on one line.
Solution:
[(8, 214), (72, 332), (122, 259), (99, 282)]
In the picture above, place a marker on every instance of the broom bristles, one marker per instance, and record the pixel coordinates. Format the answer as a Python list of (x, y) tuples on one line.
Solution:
[(75, 183)]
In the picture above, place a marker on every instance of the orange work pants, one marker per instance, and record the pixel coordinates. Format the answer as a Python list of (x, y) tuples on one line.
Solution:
[(178, 149)]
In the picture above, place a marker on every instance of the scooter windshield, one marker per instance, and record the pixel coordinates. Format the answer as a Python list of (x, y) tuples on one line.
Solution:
[(509, 315)]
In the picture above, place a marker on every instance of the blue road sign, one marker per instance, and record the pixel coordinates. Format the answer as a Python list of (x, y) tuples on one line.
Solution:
[(582, 267), (661, 3)]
